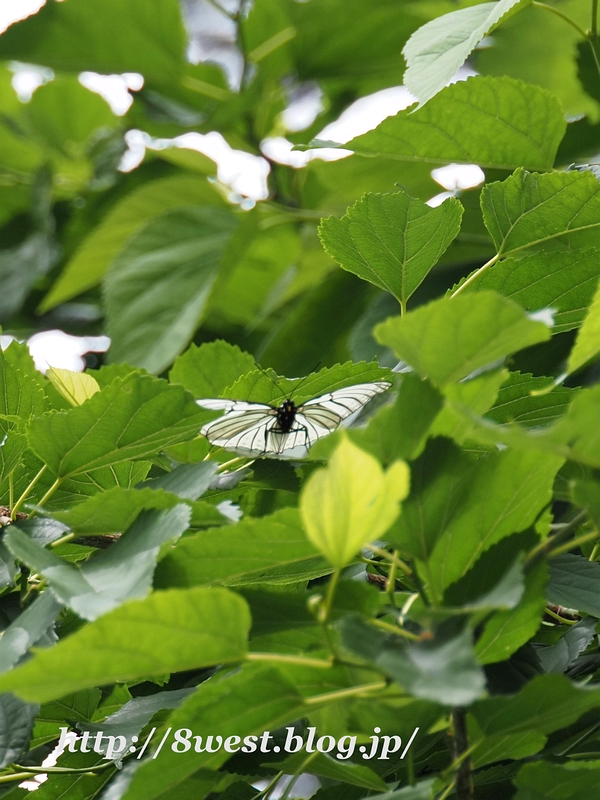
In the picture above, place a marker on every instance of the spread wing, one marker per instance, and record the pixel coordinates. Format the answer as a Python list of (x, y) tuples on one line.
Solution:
[(244, 426), (251, 429), (330, 409)]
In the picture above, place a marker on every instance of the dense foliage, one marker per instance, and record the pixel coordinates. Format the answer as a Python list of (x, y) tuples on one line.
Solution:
[(434, 566)]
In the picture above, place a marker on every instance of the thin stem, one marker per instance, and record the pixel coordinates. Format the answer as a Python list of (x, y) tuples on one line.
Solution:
[(379, 551), (544, 547), (342, 693), (11, 491), (558, 618), (68, 537), (280, 657), (27, 492), (17, 776), (391, 580), (476, 275), (47, 496), (562, 15), (394, 629), (446, 791), (594, 552), (328, 604), (264, 792), (68, 770), (587, 537), (464, 777)]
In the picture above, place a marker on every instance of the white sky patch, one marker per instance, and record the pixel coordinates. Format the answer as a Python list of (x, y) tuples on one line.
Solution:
[(13, 10), (306, 103), (438, 199), (58, 349), (279, 149), (458, 176), (114, 88), (545, 315), (366, 114)]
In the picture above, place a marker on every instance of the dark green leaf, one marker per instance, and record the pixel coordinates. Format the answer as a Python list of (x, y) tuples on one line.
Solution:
[(560, 656), (166, 632), (16, 723), (443, 670), (110, 577), (575, 583), (569, 781), (27, 629), (543, 211), (157, 288), (247, 702)]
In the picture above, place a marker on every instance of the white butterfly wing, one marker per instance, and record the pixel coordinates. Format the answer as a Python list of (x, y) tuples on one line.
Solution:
[(330, 409), (250, 429)]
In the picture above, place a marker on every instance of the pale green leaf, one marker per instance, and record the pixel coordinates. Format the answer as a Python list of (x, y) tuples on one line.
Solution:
[(436, 51), (448, 339)]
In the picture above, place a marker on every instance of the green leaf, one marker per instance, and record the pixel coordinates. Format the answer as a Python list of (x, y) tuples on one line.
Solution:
[(70, 784), (422, 790), (157, 287), (245, 552), (527, 209), (208, 370), (502, 124), (91, 260), (78, 707), (21, 267), (568, 781), (247, 702), (109, 577), (507, 630), (128, 36), (398, 430), (522, 487), (575, 583), (166, 632), (17, 720), (134, 715), (391, 240), (351, 502), (65, 115), (450, 338), (443, 669), (520, 400), (260, 388), (326, 767), (439, 479), (188, 481), (27, 629), (560, 656), (546, 704), (114, 510), (436, 50), (587, 343), (563, 282), (130, 419), (475, 395)]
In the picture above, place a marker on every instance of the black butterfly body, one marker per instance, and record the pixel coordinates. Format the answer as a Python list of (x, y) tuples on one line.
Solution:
[(287, 430)]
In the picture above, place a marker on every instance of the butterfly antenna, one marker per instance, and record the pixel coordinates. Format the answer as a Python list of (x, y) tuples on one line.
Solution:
[(266, 374), (306, 377)]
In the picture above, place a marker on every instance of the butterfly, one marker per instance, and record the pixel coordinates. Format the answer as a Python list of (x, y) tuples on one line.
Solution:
[(287, 430)]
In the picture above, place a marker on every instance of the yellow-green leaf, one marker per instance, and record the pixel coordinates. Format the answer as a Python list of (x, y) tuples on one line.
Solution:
[(75, 387), (351, 502)]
